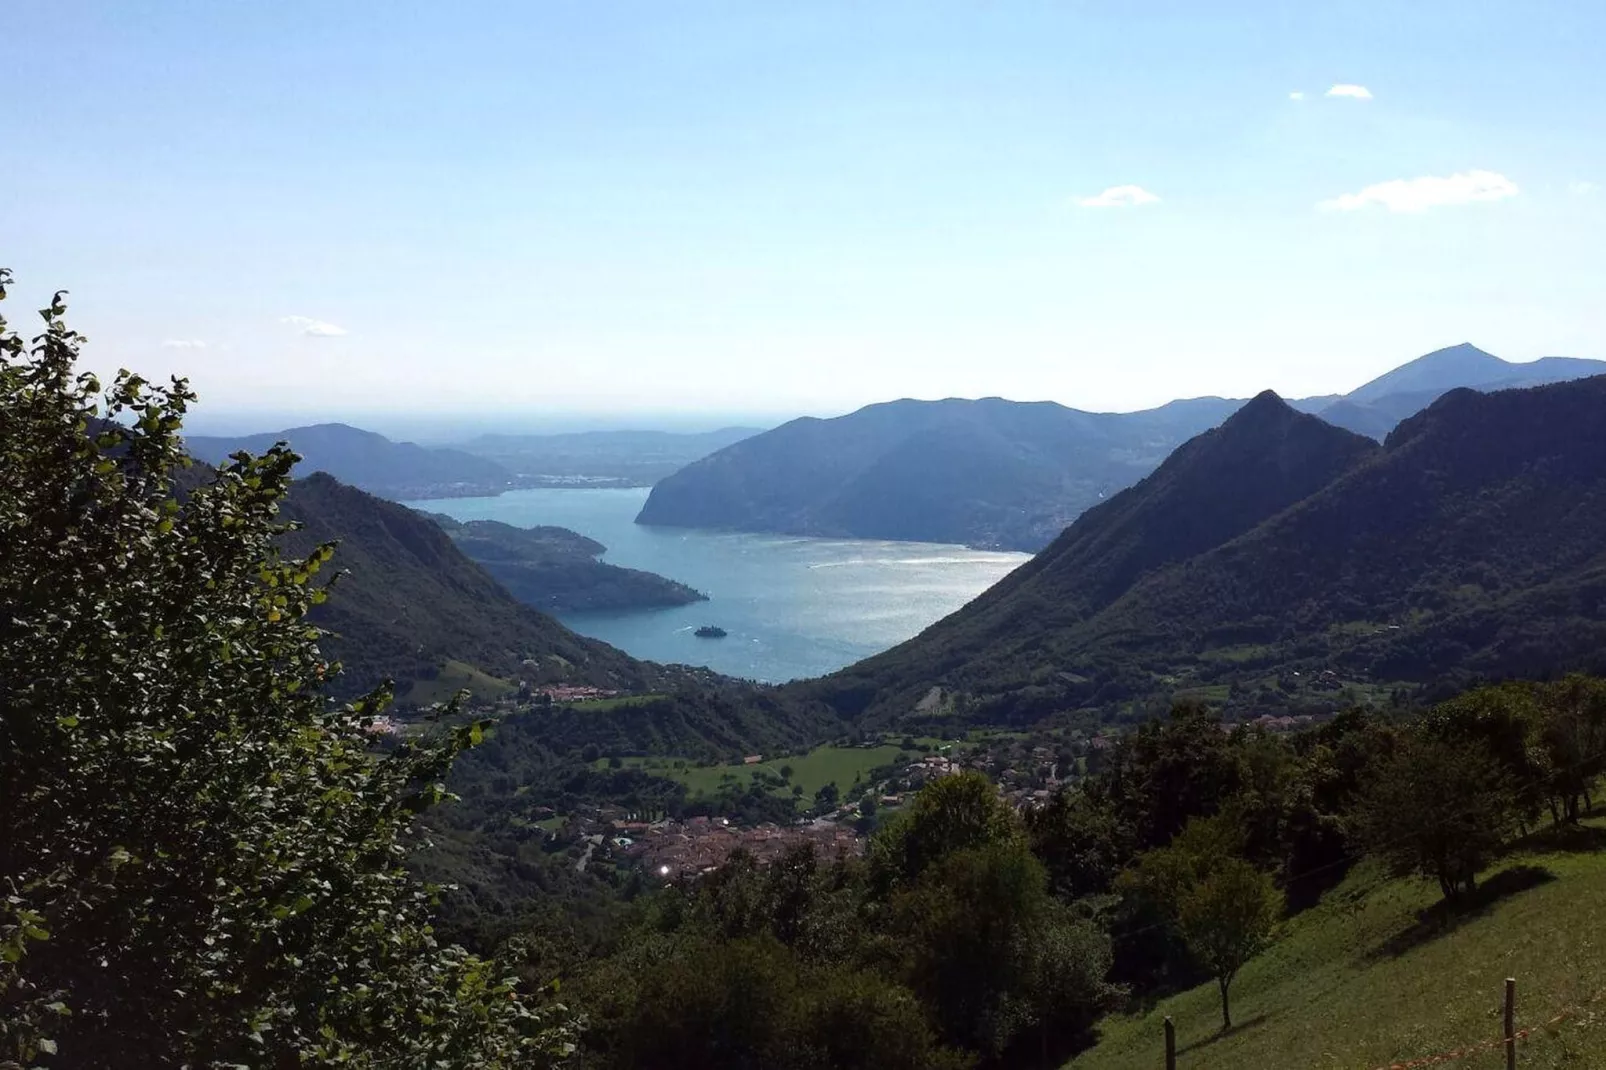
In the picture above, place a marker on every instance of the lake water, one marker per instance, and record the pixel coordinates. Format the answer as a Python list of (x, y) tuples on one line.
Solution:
[(792, 606)]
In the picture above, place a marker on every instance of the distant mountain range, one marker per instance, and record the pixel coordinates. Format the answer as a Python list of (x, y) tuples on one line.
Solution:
[(487, 465), (556, 570), (612, 458), (997, 473), (1375, 408), (369, 461), (990, 473), (1281, 560)]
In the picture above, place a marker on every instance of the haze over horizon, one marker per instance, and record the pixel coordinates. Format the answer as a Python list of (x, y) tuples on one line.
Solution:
[(652, 214)]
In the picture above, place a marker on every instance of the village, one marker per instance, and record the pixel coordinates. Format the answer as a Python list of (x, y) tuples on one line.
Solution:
[(682, 843)]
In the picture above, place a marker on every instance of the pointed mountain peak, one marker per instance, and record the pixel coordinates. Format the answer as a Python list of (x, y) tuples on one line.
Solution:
[(1266, 406), (1462, 351), (1265, 426)]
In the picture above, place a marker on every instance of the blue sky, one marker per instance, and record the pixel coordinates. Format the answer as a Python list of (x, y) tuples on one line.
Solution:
[(802, 207)]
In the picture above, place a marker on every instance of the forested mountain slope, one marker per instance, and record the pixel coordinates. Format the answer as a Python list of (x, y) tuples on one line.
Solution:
[(1473, 543), (414, 608), (412, 601), (1266, 457), (986, 473)]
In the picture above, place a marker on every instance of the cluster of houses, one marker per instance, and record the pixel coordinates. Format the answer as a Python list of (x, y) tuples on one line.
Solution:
[(1027, 773), (1276, 723), (674, 850), (573, 692)]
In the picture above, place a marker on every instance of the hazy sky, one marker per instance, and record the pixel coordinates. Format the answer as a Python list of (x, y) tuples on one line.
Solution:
[(789, 206)]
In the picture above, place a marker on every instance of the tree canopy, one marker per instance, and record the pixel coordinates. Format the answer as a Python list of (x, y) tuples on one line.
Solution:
[(202, 854)]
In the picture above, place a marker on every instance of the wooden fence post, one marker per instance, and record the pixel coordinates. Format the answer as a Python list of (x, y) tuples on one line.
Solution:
[(1170, 1044), (1511, 1023)]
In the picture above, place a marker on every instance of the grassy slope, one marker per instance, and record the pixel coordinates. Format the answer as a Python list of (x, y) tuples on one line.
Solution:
[(814, 770), (456, 676), (1359, 982)]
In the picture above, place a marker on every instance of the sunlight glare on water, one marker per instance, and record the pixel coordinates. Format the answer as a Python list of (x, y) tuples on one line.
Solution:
[(792, 606)]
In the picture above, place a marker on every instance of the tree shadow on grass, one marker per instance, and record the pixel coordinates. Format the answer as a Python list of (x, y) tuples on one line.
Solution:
[(1222, 1034), (1444, 917), (1568, 839)]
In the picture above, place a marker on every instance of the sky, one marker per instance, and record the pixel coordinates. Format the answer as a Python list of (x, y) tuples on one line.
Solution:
[(648, 211)]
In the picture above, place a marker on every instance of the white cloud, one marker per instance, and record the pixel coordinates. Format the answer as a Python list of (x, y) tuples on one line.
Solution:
[(1297, 94), (1119, 197), (314, 328), (183, 343), (1582, 189), (1345, 89), (1429, 191)]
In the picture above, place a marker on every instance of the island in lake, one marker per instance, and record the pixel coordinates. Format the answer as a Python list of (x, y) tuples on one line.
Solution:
[(710, 631), (556, 570)]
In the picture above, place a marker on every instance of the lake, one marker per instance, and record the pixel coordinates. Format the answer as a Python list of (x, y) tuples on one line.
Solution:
[(792, 606)]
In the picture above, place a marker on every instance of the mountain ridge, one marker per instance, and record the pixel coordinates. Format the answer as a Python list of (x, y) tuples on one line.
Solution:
[(993, 473), (367, 460), (1012, 473), (1467, 545), (1273, 455)]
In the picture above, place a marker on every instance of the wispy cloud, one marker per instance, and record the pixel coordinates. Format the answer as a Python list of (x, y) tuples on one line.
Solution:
[(1119, 197), (1298, 94), (1346, 89), (314, 328), (1429, 191), (1582, 189), (183, 343)]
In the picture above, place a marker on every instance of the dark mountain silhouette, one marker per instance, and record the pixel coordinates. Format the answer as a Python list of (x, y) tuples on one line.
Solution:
[(1470, 545), (556, 570), (368, 461), (987, 473)]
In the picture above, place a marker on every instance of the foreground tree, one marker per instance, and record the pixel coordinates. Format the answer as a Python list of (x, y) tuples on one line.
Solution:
[(1439, 808), (1226, 919), (973, 928), (953, 813), (1222, 907), (694, 1001), (201, 856), (1574, 738)]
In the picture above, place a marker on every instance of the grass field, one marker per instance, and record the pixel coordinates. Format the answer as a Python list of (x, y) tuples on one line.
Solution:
[(602, 705), (453, 677), (1373, 977), (811, 771)]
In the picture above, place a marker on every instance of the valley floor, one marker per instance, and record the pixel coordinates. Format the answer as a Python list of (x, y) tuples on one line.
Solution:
[(1374, 977)]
